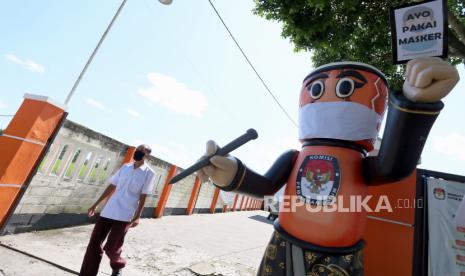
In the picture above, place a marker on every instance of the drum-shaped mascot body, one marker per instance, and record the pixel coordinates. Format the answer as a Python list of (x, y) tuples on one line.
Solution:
[(320, 226)]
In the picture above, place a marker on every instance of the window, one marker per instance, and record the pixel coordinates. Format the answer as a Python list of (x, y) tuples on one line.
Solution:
[(56, 166), (104, 171), (85, 164), (40, 170), (72, 165), (95, 168), (156, 186)]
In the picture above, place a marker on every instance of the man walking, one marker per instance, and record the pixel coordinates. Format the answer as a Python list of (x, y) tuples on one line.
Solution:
[(128, 189)]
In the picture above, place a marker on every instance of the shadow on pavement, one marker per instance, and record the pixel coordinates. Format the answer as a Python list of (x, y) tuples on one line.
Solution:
[(261, 219)]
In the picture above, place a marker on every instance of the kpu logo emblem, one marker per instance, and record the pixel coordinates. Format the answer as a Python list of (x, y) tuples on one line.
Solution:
[(318, 180), (439, 193)]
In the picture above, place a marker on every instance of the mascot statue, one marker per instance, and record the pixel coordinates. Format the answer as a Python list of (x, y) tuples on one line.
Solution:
[(340, 112)]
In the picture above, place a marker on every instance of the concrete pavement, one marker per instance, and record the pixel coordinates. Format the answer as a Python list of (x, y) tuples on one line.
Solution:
[(13, 263), (219, 244)]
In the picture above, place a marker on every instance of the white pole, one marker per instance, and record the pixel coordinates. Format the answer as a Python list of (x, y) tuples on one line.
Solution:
[(78, 80)]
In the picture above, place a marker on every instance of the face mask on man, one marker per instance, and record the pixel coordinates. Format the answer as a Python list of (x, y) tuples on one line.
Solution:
[(138, 155)]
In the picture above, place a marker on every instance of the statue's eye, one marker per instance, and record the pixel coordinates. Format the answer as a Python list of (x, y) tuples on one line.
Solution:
[(345, 87), (316, 89)]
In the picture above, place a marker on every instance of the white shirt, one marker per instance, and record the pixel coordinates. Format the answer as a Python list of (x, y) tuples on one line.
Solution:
[(130, 184)]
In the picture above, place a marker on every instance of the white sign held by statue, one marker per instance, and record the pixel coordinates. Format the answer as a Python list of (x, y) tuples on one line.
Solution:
[(419, 30)]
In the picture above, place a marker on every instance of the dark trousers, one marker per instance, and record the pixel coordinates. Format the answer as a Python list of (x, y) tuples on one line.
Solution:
[(113, 247)]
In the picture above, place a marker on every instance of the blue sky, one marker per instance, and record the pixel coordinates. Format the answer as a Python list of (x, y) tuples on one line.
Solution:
[(183, 49)]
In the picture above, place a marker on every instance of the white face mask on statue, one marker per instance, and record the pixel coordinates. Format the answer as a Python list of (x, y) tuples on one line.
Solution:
[(338, 120)]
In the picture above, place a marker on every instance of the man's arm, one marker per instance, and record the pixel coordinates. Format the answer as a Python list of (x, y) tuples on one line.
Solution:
[(107, 193), (138, 213), (146, 189)]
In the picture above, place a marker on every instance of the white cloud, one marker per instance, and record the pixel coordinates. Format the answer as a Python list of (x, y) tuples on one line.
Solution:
[(172, 155), (452, 144), (26, 63), (3, 104), (94, 103), (176, 96), (133, 113)]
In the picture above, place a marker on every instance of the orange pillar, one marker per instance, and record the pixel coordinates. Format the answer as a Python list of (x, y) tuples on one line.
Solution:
[(193, 198), (165, 193), (129, 155), (241, 207), (246, 203), (23, 145), (234, 204), (225, 208), (214, 200)]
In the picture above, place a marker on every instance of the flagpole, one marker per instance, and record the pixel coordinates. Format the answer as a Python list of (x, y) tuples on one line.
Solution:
[(83, 71)]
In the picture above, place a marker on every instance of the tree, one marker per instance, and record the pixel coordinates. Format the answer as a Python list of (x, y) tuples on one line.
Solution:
[(358, 30)]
